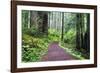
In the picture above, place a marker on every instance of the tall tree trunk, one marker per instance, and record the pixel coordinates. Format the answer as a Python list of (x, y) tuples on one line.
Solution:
[(48, 19), (78, 43), (45, 23), (82, 30), (29, 17), (87, 34), (62, 26), (33, 17)]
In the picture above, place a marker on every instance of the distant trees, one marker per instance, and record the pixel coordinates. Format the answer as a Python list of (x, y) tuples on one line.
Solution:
[(60, 21), (73, 28), (55, 20)]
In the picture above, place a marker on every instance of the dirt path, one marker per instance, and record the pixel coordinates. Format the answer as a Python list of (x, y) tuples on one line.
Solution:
[(56, 53)]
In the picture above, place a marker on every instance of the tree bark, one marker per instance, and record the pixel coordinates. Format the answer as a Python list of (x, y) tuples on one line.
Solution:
[(78, 43), (29, 19), (62, 26), (45, 23)]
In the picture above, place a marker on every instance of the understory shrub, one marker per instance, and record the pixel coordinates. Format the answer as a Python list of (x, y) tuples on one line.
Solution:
[(53, 35), (35, 44), (69, 39), (70, 36), (33, 48)]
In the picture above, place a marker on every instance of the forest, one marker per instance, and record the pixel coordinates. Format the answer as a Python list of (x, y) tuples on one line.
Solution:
[(41, 29)]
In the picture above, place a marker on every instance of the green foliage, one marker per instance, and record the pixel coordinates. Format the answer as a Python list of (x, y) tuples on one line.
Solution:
[(53, 35), (70, 36), (30, 54), (36, 36), (33, 48), (25, 17), (69, 39), (31, 31), (74, 52)]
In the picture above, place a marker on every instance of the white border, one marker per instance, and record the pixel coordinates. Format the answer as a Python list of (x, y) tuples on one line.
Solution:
[(53, 63)]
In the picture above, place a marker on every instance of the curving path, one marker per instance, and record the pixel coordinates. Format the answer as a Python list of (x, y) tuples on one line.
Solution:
[(56, 53)]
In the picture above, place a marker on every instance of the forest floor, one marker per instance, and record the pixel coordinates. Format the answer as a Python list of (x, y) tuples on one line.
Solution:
[(56, 53)]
